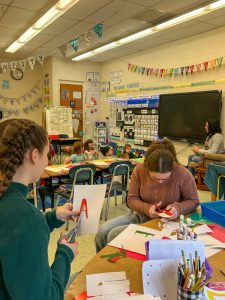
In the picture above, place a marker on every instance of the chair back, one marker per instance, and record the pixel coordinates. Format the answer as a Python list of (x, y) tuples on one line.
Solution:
[(82, 173), (120, 168)]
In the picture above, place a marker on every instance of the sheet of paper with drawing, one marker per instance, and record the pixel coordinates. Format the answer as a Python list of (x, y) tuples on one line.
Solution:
[(94, 196), (133, 238)]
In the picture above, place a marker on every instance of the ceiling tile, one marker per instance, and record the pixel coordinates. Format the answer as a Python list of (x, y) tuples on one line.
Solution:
[(32, 5), (58, 41), (85, 8), (59, 26), (16, 18), (76, 30), (7, 35), (146, 3)]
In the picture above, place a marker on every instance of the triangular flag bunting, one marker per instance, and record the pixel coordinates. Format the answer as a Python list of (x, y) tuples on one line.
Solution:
[(213, 63), (198, 67), (206, 63), (156, 72), (98, 29), (143, 70), (151, 71), (74, 43), (4, 66), (41, 58), (175, 71), (192, 68), (219, 61), (161, 72), (13, 65), (62, 49), (87, 37), (139, 70), (11, 101), (129, 67), (31, 60), (171, 72), (182, 70), (165, 72), (186, 70), (22, 64), (147, 71)]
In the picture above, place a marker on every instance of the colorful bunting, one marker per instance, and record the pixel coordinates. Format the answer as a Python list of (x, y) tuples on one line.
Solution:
[(213, 63), (98, 29), (206, 63), (182, 71), (62, 49), (41, 58), (4, 67), (192, 68), (219, 61), (31, 60), (186, 70), (198, 67), (87, 37), (129, 66), (74, 43)]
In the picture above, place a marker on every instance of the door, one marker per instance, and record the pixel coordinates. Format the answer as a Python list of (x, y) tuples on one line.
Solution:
[(72, 95)]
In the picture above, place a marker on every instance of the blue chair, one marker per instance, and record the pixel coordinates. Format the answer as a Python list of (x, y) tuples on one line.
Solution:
[(121, 168)]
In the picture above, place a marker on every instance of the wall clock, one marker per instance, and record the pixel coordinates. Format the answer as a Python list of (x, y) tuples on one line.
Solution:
[(17, 74)]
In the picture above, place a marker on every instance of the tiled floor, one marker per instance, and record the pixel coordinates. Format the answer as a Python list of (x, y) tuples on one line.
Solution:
[(86, 243)]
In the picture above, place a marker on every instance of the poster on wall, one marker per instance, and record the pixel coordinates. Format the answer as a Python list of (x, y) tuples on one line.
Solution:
[(89, 76), (96, 77), (65, 94), (76, 95)]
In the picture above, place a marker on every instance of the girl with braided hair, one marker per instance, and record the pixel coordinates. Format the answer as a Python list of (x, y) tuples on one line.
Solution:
[(160, 182), (24, 231)]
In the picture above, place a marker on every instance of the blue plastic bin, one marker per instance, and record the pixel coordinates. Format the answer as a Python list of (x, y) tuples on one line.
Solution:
[(214, 211)]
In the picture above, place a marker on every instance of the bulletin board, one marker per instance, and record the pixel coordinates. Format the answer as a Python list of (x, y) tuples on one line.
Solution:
[(58, 120)]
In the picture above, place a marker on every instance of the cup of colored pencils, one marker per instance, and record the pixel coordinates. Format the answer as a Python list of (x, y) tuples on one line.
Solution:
[(192, 278)]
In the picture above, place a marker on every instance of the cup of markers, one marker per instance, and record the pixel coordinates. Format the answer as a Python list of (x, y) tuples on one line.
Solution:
[(192, 278)]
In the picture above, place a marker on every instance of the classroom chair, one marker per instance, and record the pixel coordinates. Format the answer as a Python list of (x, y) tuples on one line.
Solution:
[(121, 168)]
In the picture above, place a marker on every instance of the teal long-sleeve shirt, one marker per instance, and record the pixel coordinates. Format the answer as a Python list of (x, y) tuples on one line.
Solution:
[(24, 236)]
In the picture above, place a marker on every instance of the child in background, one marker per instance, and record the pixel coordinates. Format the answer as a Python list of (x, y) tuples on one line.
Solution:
[(127, 152), (89, 150), (78, 154), (107, 151)]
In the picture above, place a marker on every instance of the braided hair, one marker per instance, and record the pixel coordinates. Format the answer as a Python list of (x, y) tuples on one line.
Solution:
[(161, 156), (17, 136)]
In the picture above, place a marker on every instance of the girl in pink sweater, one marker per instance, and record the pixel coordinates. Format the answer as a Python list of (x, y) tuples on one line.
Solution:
[(160, 181)]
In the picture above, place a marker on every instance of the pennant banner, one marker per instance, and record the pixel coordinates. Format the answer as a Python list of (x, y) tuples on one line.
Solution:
[(13, 65), (219, 61), (74, 43), (62, 49), (87, 37), (4, 66), (22, 64), (98, 29), (31, 60), (41, 58)]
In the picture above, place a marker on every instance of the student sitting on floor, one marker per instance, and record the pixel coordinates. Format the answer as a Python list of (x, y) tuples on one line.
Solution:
[(127, 152), (24, 231), (160, 180), (78, 154), (89, 150)]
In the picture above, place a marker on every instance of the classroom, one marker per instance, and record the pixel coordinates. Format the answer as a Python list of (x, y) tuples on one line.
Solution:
[(112, 157)]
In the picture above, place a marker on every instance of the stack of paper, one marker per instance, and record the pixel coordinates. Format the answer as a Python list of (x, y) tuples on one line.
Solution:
[(111, 286)]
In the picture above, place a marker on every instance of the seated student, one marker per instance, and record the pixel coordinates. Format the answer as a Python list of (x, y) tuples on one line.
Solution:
[(214, 143), (160, 180), (78, 154), (89, 150), (127, 152), (107, 151), (24, 231)]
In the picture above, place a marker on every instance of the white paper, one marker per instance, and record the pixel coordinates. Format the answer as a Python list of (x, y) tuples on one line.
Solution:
[(160, 278), (75, 124), (214, 295), (171, 249), (134, 237), (76, 95), (209, 240), (95, 195), (203, 229), (94, 282)]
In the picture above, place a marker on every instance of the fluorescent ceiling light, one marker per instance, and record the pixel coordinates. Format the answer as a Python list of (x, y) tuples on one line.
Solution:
[(27, 35), (50, 16), (177, 20), (14, 47), (83, 56)]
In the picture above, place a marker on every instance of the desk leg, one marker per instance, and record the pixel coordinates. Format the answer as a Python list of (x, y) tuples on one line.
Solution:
[(42, 193), (51, 191)]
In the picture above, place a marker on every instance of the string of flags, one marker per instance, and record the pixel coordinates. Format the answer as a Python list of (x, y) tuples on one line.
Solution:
[(87, 37), (33, 91), (31, 107), (163, 72), (23, 63)]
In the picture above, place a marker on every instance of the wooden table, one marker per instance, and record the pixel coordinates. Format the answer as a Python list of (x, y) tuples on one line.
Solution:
[(104, 163), (132, 267)]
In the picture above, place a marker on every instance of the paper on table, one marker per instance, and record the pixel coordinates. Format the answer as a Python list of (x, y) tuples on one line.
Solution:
[(209, 244), (203, 229), (94, 194), (133, 238), (94, 282)]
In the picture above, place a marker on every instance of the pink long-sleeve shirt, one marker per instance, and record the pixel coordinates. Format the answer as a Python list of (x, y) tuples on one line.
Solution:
[(179, 190)]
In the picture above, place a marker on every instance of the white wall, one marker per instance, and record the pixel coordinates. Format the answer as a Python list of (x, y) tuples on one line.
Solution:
[(185, 52), (18, 88)]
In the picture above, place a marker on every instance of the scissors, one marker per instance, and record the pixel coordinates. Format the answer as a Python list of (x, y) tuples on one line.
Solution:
[(71, 236)]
